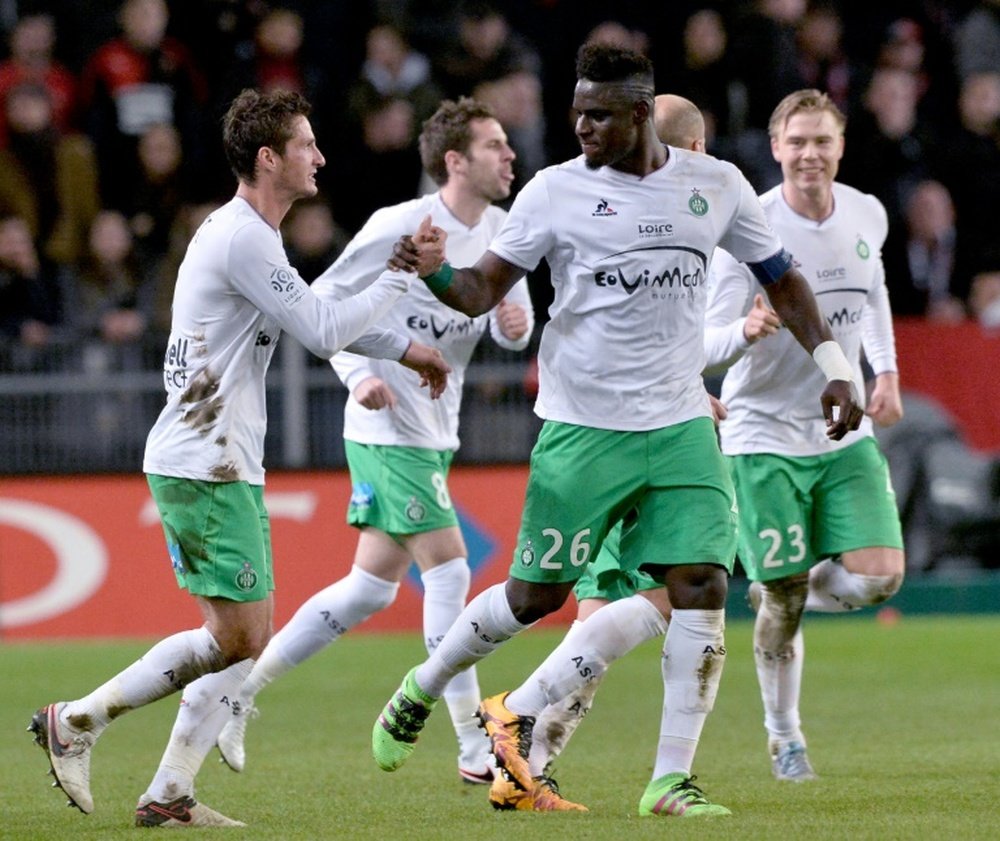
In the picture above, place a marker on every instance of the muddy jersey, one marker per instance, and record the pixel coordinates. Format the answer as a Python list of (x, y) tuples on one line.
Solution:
[(416, 420), (234, 295), (628, 257), (772, 392)]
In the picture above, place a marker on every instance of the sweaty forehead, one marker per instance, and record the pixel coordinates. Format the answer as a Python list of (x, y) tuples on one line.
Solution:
[(612, 96)]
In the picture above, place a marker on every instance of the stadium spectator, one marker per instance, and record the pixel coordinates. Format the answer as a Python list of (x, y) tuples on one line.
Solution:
[(31, 59), (400, 445), (203, 457), (313, 239), (705, 76), (393, 69), (161, 188), (971, 169), (141, 78), (984, 299), (47, 178), (977, 40), (590, 465), (822, 60), (113, 294), (891, 148), (31, 294), (920, 258), (486, 49), (384, 162)]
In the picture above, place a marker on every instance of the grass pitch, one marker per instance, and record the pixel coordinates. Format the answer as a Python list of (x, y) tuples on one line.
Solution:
[(903, 723)]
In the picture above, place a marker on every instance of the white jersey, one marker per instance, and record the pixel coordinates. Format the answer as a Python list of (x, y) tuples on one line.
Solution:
[(235, 293), (416, 421), (772, 392), (628, 257)]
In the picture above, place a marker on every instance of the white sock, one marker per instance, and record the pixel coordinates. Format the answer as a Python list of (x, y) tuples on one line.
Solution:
[(779, 653), (486, 623), (320, 620), (205, 708), (446, 587), (167, 667), (833, 589), (555, 725), (693, 658), (606, 635)]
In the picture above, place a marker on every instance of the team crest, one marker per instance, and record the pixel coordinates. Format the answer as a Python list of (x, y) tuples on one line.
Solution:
[(528, 554), (415, 511), (864, 252), (697, 204), (246, 578)]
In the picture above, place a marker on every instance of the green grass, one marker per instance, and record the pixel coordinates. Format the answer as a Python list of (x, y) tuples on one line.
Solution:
[(903, 725)]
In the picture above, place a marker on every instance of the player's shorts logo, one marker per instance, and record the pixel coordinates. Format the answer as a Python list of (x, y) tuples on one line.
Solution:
[(697, 204), (246, 578), (527, 554), (415, 511)]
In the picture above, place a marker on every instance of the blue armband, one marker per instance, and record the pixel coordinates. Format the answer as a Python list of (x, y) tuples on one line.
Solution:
[(769, 270)]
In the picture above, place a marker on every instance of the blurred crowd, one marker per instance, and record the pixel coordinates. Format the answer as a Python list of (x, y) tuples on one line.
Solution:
[(110, 149)]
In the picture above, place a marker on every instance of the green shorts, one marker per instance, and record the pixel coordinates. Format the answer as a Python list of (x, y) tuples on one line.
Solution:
[(218, 536), (399, 490), (604, 579), (583, 480), (796, 511)]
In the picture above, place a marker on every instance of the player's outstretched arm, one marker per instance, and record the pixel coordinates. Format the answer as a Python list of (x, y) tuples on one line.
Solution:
[(795, 304)]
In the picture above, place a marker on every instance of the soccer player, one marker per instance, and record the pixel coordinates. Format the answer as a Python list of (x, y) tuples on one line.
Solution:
[(819, 526), (627, 229), (399, 443), (234, 295)]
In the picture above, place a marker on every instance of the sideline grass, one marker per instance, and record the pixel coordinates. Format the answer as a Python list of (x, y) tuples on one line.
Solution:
[(902, 722)]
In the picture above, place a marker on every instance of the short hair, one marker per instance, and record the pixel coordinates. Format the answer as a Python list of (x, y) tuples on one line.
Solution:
[(608, 63), (449, 129), (255, 120), (807, 100)]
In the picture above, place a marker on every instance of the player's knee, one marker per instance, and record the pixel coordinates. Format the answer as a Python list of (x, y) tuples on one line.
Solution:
[(449, 581), (880, 588), (530, 602)]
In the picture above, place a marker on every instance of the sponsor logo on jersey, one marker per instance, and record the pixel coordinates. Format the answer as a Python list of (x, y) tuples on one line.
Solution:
[(844, 316), (669, 283), (452, 327), (604, 209), (288, 286), (838, 273), (697, 204), (654, 229), (263, 340)]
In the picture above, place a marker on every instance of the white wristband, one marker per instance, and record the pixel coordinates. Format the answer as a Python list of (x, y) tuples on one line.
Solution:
[(832, 362)]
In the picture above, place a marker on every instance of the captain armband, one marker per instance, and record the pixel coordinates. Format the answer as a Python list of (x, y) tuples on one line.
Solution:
[(440, 280), (769, 270), (832, 362)]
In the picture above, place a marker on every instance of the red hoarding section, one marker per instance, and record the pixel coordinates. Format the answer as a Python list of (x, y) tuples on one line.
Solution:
[(86, 556)]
